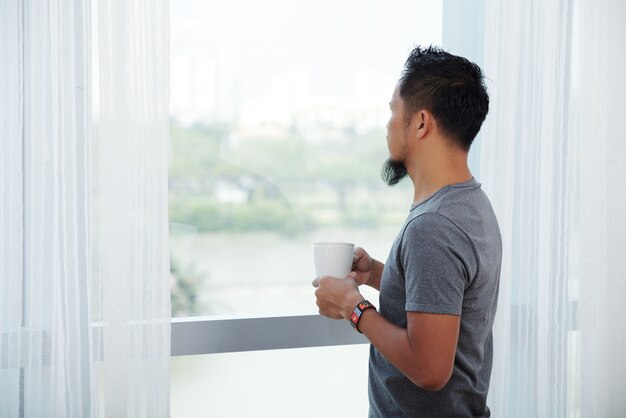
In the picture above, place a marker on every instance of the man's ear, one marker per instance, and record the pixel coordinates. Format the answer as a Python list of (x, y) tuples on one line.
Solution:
[(422, 121)]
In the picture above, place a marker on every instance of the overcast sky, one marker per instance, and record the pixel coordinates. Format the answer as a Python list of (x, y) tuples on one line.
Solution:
[(330, 40)]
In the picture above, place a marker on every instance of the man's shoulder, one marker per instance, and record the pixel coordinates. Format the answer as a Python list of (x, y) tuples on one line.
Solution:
[(432, 225), (470, 210)]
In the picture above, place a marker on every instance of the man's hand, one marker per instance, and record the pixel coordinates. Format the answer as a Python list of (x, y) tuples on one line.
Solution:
[(367, 270), (362, 265), (336, 298)]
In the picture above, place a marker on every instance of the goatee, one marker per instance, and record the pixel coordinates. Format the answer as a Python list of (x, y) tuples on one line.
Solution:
[(393, 171)]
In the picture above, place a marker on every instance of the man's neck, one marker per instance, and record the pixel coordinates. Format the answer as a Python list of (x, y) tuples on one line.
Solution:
[(425, 184)]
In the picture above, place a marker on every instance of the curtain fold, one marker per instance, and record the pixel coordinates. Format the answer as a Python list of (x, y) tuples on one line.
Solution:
[(44, 334), (600, 105), (130, 146), (552, 161), (84, 264)]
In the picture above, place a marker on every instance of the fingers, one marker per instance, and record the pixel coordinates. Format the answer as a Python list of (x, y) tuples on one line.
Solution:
[(361, 260), (327, 289), (352, 275), (317, 281), (359, 253)]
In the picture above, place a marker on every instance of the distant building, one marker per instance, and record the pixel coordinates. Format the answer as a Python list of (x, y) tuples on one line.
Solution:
[(203, 91), (201, 87)]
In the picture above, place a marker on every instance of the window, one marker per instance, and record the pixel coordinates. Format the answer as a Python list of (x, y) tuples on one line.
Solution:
[(278, 113), (278, 116)]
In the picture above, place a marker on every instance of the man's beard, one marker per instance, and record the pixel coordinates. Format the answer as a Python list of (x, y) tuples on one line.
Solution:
[(393, 171)]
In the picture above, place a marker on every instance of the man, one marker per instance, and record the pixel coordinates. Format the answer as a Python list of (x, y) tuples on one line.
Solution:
[(431, 342)]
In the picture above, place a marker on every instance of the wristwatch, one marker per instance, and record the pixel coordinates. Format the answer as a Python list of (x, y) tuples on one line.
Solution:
[(358, 311)]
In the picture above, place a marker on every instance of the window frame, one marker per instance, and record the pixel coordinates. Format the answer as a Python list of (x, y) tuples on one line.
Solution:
[(214, 335)]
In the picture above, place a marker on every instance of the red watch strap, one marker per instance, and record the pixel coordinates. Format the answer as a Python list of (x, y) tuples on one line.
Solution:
[(355, 317)]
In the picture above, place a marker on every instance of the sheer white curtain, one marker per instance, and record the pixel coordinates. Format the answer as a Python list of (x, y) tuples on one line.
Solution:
[(600, 107), (84, 266), (553, 163)]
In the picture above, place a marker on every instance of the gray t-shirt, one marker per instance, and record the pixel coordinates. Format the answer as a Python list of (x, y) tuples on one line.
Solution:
[(445, 260)]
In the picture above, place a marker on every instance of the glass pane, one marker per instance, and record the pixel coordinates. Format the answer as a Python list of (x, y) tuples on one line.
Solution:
[(309, 382), (278, 113)]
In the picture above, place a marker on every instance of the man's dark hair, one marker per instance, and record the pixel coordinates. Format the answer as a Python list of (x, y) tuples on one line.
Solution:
[(451, 88)]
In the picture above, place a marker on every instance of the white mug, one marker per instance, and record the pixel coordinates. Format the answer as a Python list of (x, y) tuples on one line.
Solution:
[(333, 258)]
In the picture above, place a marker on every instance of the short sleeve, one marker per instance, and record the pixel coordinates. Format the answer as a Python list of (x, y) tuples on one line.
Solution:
[(438, 262)]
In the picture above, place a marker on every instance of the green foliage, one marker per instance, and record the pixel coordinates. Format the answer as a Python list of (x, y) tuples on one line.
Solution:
[(281, 160), (209, 215), (262, 170), (363, 218), (185, 288), (195, 150)]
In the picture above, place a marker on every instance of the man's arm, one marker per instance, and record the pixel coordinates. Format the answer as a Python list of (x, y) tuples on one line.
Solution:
[(424, 351)]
